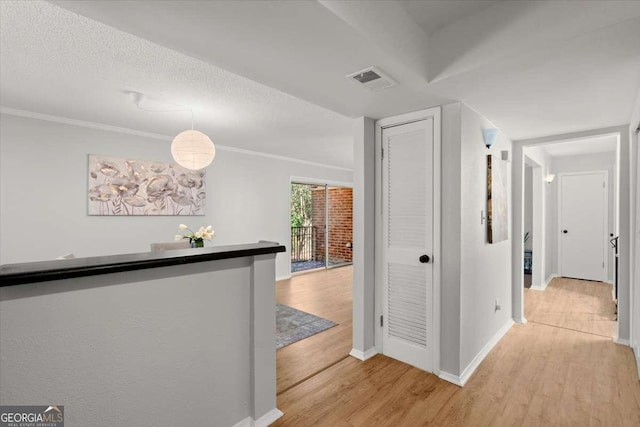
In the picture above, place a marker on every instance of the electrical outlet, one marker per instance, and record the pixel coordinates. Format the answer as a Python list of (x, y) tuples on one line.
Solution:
[(498, 306)]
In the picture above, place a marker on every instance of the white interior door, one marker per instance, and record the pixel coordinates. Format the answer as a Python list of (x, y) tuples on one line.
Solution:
[(583, 229), (407, 216)]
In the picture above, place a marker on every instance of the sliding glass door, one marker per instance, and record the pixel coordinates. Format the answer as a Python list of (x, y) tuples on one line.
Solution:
[(321, 226)]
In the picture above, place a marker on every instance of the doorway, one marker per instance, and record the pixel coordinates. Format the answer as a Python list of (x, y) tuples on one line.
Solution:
[(577, 215), (321, 221), (321, 225), (407, 281), (582, 212), (528, 226)]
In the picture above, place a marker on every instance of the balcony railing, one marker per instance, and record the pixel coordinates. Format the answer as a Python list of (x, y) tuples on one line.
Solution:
[(302, 244)]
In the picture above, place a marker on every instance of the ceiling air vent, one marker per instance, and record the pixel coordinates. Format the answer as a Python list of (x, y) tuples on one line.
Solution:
[(372, 78)]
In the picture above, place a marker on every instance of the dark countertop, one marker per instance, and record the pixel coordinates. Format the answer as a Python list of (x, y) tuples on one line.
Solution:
[(43, 271)]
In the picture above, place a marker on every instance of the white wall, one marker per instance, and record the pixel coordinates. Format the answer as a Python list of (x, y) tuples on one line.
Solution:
[(583, 163), (474, 272), (635, 278), (451, 236), (625, 245), (485, 268), (635, 229), (550, 225), (364, 324), (122, 348), (528, 205), (541, 224), (43, 194)]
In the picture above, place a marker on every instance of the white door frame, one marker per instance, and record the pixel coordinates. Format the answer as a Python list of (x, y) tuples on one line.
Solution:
[(538, 231), (517, 274), (605, 242), (434, 113)]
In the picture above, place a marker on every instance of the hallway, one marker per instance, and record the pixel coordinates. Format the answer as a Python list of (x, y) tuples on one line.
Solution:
[(579, 305), (556, 370)]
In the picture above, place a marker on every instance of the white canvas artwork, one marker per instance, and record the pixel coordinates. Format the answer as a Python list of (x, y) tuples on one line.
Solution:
[(140, 187), (497, 204)]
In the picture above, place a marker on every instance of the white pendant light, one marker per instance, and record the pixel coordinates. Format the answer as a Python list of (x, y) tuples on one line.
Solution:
[(190, 149), (193, 150)]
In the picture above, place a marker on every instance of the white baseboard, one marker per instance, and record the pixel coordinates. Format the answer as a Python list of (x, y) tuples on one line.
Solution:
[(521, 320), (636, 352), (268, 418), (545, 284), (263, 421), (549, 280), (471, 368), (247, 422), (453, 379), (363, 355), (285, 277), (621, 341)]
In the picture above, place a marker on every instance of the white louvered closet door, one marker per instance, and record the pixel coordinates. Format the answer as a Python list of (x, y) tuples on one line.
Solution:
[(407, 212)]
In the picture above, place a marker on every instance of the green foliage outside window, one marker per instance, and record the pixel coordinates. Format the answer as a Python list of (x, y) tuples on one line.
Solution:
[(300, 205)]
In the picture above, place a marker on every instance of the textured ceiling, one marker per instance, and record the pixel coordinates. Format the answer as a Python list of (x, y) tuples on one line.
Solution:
[(270, 75), (67, 65)]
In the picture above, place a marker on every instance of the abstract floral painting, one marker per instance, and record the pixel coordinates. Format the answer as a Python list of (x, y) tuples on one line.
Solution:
[(141, 187), (497, 205)]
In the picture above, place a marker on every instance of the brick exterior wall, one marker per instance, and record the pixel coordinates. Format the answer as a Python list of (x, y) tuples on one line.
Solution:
[(317, 220), (340, 226)]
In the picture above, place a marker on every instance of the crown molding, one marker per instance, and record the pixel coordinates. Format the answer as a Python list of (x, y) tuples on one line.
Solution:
[(160, 137)]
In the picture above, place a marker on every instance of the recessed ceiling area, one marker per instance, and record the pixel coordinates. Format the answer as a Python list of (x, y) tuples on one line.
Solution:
[(269, 76), (595, 145), (440, 13)]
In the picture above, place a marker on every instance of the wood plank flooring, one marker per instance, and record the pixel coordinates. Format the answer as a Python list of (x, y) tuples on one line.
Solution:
[(580, 305), (538, 374), (326, 294)]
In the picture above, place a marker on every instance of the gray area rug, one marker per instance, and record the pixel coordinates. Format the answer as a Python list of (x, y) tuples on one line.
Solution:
[(294, 325)]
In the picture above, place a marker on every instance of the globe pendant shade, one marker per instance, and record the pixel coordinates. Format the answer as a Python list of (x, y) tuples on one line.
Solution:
[(193, 150)]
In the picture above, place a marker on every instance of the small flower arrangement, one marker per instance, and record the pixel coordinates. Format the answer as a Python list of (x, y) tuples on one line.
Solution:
[(196, 239)]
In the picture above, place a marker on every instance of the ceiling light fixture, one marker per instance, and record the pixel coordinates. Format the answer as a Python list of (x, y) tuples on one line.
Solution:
[(191, 149), (489, 136)]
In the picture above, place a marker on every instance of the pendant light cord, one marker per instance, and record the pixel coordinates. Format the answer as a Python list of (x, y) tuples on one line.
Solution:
[(138, 97)]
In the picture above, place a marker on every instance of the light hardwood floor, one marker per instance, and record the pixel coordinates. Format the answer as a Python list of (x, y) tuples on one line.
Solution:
[(573, 304), (536, 375), (326, 294)]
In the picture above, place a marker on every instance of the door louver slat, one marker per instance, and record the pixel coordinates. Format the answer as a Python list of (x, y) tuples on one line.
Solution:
[(410, 279), (407, 194)]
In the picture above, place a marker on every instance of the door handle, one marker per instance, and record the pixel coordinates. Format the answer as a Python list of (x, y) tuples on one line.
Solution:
[(424, 259), (565, 231)]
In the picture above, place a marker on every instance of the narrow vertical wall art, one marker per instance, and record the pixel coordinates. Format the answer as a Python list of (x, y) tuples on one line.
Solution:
[(497, 203), (141, 187)]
